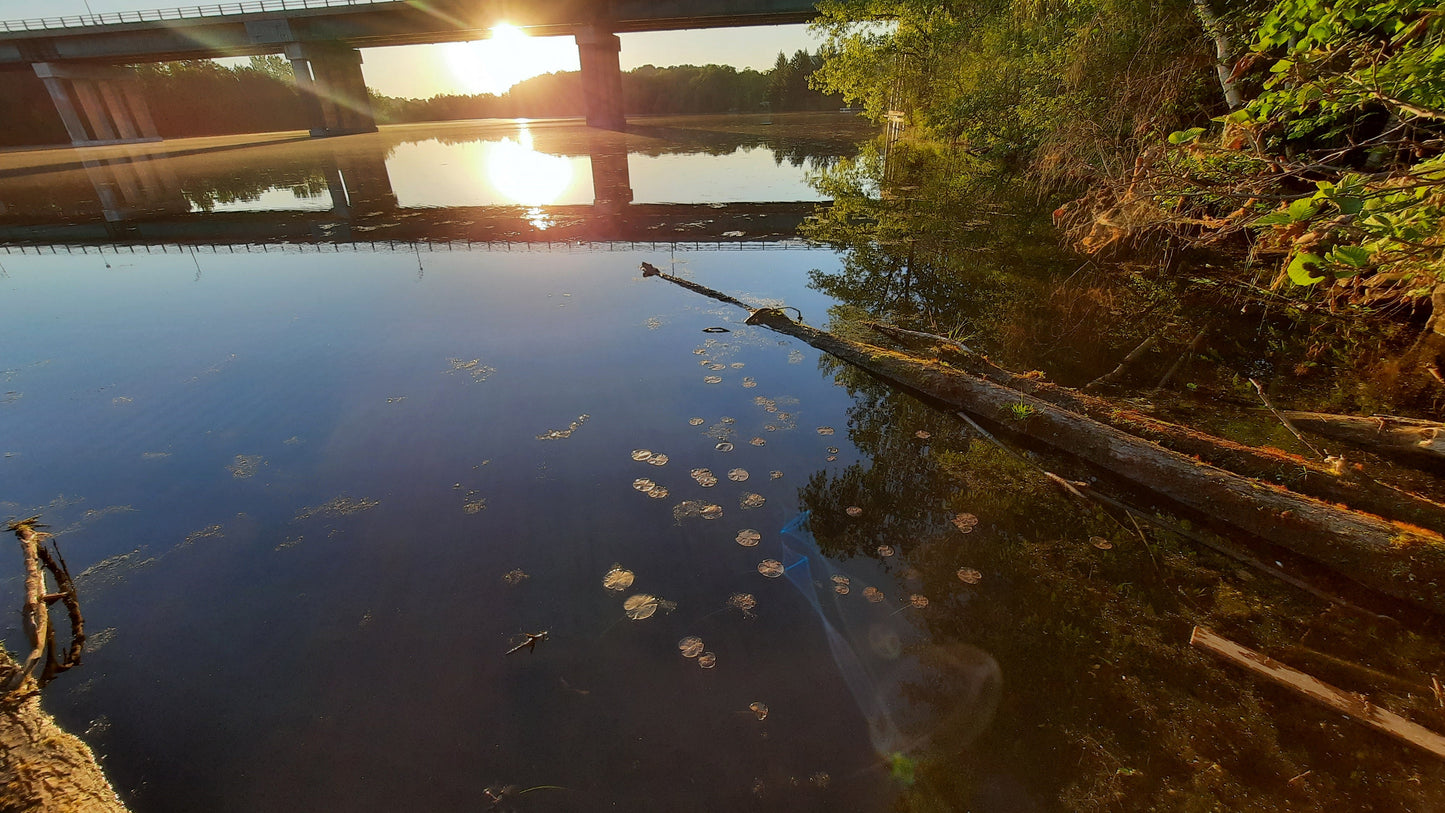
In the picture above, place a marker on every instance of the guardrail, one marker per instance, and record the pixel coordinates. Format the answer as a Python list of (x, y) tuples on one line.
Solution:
[(182, 13)]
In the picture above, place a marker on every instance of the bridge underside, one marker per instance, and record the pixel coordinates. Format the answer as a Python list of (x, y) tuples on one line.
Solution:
[(322, 45)]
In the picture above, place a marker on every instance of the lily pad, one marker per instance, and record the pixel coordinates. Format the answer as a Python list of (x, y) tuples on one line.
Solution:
[(696, 421), (968, 575), (873, 594), (886, 550), (515, 577), (752, 500), (641, 606), (618, 578), (825, 430), (643, 484), (707, 660), (690, 646), (748, 538), (742, 601), (712, 379), (758, 442), (853, 511), (641, 455), (760, 709), (657, 460), (918, 601), (1101, 543), (711, 512), (704, 477), (738, 475), (771, 568), (725, 446)]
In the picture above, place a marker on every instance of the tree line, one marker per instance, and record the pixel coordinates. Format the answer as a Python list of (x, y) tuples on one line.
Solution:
[(203, 97)]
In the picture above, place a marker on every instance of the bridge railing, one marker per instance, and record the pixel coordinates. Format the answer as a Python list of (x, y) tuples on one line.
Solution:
[(182, 13)]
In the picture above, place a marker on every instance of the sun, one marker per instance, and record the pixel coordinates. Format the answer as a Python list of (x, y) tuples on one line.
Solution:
[(494, 65)]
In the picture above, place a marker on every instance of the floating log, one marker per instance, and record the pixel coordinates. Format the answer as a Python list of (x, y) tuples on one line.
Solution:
[(1347, 486), (1354, 705), (1384, 434), (1400, 560)]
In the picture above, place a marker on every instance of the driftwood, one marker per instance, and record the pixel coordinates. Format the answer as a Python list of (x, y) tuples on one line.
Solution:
[(1405, 436), (1349, 487), (41, 766), (1129, 360), (1399, 560), (36, 612), (1354, 705)]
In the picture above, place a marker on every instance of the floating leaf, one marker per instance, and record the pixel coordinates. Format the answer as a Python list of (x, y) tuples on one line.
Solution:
[(704, 477), (657, 460), (641, 455), (725, 446), (775, 475), (885, 550), (832, 450), (742, 601), (700, 351), (751, 500), (714, 366), (918, 601), (737, 365), (965, 523), (690, 647), (749, 383), (758, 442), (707, 660), (839, 578), (968, 575), (759, 709), (922, 434), (738, 475), (640, 606), (1101, 543), (841, 589), (643, 484), (873, 594), (562, 434), (696, 421), (712, 379), (748, 538), (657, 492), (618, 578), (831, 458), (515, 576), (853, 511), (825, 430), (771, 568), (729, 421), (711, 512)]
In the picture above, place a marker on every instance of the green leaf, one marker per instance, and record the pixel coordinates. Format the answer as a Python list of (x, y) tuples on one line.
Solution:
[(1299, 271), (1185, 136), (1348, 205), (1272, 219), (1357, 256), (1302, 209)]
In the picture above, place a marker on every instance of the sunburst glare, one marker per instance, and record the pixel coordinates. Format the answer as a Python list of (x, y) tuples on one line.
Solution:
[(494, 65)]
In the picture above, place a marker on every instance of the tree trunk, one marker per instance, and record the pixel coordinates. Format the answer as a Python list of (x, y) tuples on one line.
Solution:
[(1383, 434), (1402, 561), (1223, 52), (1352, 488)]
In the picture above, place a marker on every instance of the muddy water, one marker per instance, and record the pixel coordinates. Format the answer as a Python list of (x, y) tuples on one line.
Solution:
[(330, 427)]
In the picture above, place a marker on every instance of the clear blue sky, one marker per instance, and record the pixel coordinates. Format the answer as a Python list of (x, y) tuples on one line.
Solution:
[(421, 71)]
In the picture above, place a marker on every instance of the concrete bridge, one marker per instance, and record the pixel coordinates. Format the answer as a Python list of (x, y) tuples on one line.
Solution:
[(80, 58)]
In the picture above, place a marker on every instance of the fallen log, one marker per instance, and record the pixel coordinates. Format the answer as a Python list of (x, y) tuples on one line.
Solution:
[(1346, 485), (1354, 705), (1384, 434), (1400, 560)]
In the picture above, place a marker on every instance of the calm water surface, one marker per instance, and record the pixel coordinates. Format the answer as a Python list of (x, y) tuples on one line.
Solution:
[(328, 426), (297, 478)]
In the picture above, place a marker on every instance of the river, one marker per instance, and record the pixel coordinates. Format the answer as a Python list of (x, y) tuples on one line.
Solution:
[(330, 428)]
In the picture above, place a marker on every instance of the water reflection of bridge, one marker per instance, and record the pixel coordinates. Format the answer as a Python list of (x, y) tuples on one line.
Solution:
[(344, 193)]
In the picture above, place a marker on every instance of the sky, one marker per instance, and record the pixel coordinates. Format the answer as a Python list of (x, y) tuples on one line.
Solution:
[(490, 66)]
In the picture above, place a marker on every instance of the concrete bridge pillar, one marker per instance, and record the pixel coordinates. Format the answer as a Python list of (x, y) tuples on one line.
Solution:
[(330, 80), (597, 51), (98, 104)]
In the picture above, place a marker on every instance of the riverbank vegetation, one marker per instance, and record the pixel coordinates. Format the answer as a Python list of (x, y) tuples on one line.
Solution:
[(1297, 142)]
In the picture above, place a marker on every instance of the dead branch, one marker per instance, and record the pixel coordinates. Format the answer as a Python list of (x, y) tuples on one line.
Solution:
[(36, 610), (1354, 705)]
